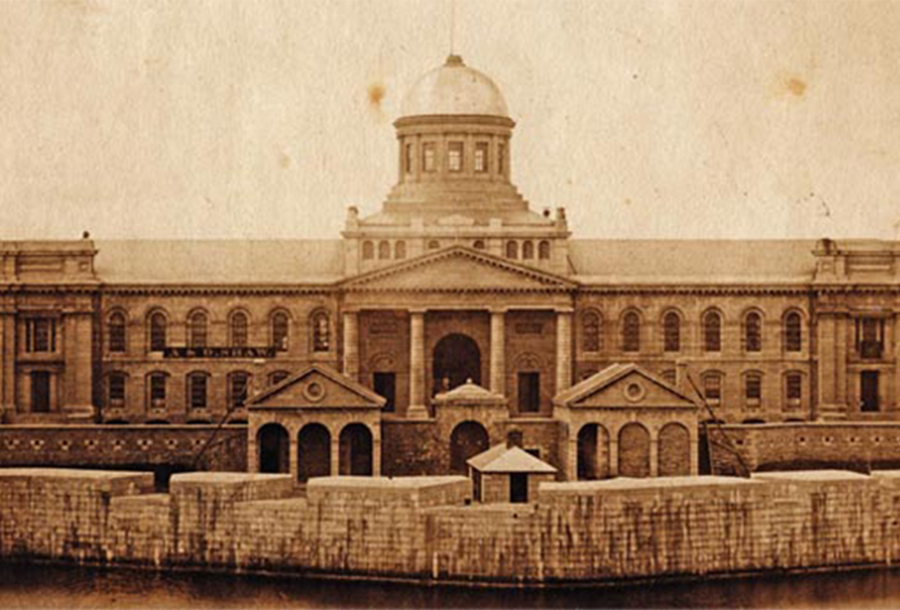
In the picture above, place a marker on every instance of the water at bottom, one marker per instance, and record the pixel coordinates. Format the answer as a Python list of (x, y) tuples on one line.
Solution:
[(42, 586)]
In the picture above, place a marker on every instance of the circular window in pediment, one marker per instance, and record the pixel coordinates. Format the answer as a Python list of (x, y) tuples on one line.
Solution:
[(634, 392), (314, 391)]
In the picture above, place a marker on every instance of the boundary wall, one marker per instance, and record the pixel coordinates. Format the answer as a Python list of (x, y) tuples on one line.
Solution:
[(426, 528)]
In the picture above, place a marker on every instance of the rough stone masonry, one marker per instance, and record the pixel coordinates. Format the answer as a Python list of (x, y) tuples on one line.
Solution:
[(427, 528)]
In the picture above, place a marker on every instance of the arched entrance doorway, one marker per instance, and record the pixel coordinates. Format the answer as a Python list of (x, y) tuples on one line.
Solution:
[(313, 452), (468, 439), (356, 451), (634, 451), (274, 447), (674, 451), (593, 452), (456, 359)]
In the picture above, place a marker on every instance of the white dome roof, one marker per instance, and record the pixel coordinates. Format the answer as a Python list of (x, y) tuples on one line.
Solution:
[(454, 88)]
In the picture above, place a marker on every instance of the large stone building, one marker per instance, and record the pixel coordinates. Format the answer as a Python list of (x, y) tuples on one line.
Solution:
[(357, 350)]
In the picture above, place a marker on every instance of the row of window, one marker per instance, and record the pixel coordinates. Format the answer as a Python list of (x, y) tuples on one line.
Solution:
[(753, 387), (198, 383), (751, 332), (528, 249), (455, 157), (238, 330), (386, 250)]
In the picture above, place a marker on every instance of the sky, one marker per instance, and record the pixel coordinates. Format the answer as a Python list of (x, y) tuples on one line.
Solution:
[(267, 119)]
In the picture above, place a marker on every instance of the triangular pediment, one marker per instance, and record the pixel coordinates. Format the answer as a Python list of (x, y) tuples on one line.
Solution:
[(458, 269), (317, 387), (624, 386)]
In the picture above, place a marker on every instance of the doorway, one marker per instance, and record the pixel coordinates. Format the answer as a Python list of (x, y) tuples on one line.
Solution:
[(385, 385), (868, 391), (456, 359), (274, 445), (518, 488), (467, 440), (313, 452), (356, 451)]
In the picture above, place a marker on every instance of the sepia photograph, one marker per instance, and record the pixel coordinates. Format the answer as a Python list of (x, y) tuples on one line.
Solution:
[(449, 304)]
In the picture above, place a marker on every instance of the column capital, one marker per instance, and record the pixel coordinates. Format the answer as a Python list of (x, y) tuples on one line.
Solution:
[(564, 310), (498, 310), (417, 310)]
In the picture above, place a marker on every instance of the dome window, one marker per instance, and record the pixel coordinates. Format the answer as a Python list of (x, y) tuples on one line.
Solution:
[(528, 250), (434, 244), (544, 250), (368, 250), (512, 249), (479, 244), (455, 156), (400, 249), (429, 155), (384, 250), (481, 156)]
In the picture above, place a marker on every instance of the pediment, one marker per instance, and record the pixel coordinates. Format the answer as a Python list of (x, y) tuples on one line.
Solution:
[(458, 269), (624, 387), (317, 387)]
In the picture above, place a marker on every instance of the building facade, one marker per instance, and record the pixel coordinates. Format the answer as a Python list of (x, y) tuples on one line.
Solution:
[(455, 280)]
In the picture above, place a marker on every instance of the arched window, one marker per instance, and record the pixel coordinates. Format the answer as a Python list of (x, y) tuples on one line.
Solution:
[(384, 250), (197, 388), (478, 245), (712, 332), (321, 332), (793, 333), (238, 388), (590, 331), (368, 250), (198, 326), (117, 332), (400, 250), (753, 332), (158, 331), (116, 389), (239, 329), (512, 249), (671, 332), (280, 326), (631, 332), (156, 390), (544, 250), (434, 244), (528, 250), (753, 388)]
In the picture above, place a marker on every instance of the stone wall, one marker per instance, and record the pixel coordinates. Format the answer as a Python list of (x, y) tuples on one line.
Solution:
[(426, 528), (858, 446)]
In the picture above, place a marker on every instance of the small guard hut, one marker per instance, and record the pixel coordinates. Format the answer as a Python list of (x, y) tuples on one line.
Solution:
[(507, 474)]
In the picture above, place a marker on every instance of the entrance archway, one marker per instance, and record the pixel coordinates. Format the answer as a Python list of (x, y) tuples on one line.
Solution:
[(274, 447), (313, 452), (634, 451), (674, 451), (356, 451), (468, 439), (593, 453), (456, 359)]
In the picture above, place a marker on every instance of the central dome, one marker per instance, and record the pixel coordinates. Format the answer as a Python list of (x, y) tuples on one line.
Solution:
[(454, 89)]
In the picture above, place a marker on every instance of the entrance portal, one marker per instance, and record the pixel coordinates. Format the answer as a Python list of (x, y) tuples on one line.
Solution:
[(313, 452), (456, 360), (467, 440), (273, 445), (356, 451)]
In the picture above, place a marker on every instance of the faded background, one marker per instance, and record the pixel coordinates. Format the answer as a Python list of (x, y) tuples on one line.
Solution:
[(267, 119)]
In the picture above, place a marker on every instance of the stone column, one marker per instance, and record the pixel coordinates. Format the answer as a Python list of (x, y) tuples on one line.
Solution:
[(563, 350), (417, 408), (498, 352), (74, 340), (293, 456), (376, 456), (7, 363), (572, 462), (335, 456), (695, 452), (614, 454), (351, 345), (654, 453)]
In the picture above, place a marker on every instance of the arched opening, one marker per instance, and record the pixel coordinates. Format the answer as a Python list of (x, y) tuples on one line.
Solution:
[(273, 445), (313, 452), (467, 440), (634, 451), (456, 359), (593, 453), (356, 451), (674, 451)]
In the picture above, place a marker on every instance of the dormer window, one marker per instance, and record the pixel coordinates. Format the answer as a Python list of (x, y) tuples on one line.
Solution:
[(455, 156), (481, 157), (429, 157)]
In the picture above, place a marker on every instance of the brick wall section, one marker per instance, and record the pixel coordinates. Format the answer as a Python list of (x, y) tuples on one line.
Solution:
[(422, 527), (860, 446)]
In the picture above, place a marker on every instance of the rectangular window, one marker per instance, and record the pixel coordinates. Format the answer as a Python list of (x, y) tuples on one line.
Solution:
[(794, 388), (870, 338), (385, 386), (712, 388), (239, 385), (753, 389), (481, 157), (455, 156), (529, 392), (157, 390), (868, 390), (409, 158), (429, 157), (197, 391), (501, 154), (40, 392), (116, 389), (40, 335)]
